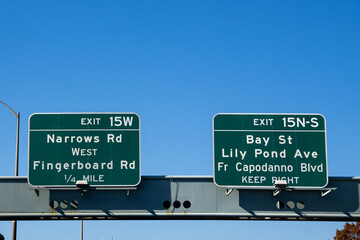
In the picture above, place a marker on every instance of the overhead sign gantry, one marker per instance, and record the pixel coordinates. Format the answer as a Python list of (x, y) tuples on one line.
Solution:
[(101, 149), (251, 151), (258, 150)]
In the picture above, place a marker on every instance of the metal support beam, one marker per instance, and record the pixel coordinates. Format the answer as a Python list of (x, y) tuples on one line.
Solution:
[(184, 198)]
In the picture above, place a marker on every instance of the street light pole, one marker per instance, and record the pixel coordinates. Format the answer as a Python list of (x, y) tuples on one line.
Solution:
[(17, 145), (17, 115), (82, 229)]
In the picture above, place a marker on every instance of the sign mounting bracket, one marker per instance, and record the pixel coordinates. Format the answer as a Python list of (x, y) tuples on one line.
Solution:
[(326, 191), (228, 191)]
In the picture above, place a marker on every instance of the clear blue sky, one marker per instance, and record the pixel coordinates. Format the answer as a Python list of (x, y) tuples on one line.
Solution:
[(177, 64)]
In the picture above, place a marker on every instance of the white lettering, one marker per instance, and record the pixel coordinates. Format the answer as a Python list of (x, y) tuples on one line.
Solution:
[(257, 140), (112, 138), (305, 154)]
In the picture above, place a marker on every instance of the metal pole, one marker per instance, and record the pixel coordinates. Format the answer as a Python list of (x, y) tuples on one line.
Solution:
[(16, 167), (81, 233), (14, 230), (17, 145)]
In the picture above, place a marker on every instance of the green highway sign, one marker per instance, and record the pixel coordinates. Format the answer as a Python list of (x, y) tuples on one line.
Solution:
[(258, 150), (102, 149)]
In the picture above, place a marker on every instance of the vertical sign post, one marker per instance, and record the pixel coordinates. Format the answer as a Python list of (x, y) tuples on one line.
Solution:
[(102, 149), (256, 150)]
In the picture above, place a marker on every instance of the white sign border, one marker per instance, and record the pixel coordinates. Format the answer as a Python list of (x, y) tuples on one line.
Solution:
[(269, 187), (91, 186)]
